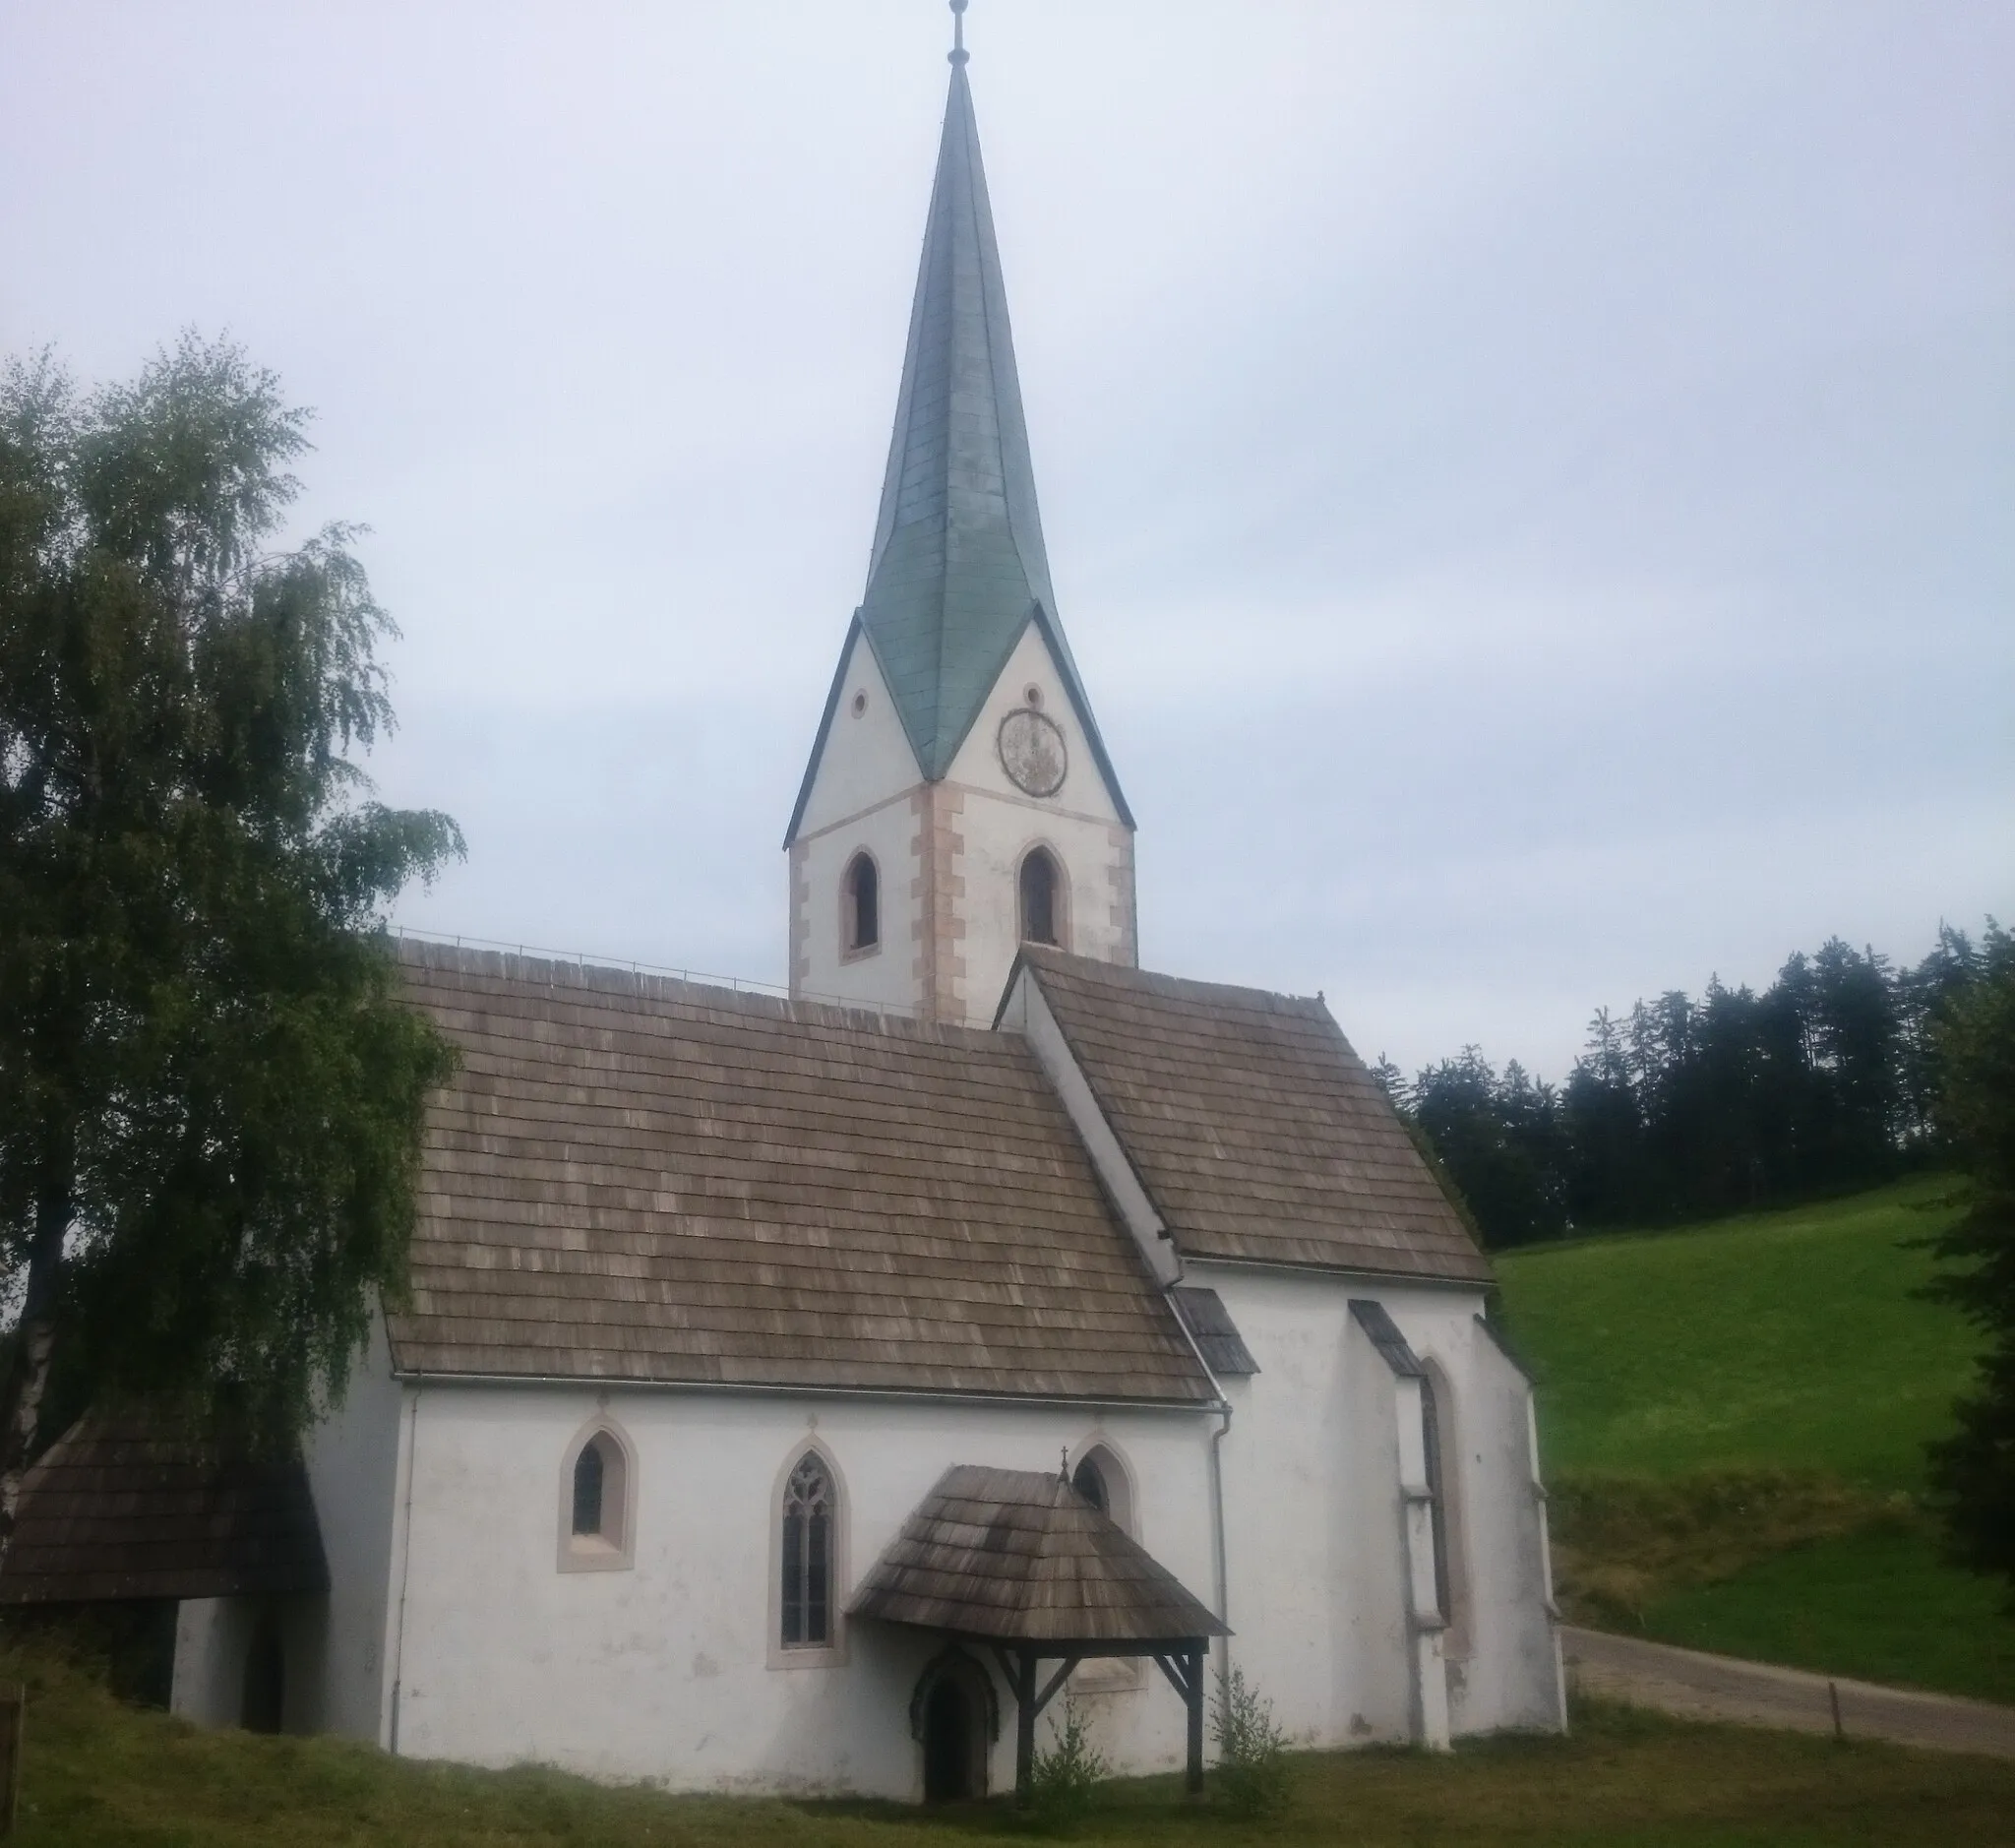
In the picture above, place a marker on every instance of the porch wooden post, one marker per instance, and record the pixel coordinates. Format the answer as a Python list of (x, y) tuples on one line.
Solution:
[(1024, 1726), (1193, 1673)]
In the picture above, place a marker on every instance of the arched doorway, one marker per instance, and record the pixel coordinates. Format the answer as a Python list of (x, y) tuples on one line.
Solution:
[(954, 1715), (948, 1743), (262, 1702)]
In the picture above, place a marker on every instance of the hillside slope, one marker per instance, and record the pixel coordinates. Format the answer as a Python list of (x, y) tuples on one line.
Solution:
[(1733, 1419)]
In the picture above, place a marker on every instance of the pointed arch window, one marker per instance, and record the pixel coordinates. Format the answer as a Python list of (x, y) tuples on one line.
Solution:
[(1041, 898), (860, 905), (597, 1502), (808, 1511)]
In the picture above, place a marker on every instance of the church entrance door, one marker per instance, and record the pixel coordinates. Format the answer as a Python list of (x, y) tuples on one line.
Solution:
[(953, 1762)]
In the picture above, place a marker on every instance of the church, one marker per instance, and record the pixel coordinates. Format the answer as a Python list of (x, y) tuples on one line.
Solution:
[(809, 1394)]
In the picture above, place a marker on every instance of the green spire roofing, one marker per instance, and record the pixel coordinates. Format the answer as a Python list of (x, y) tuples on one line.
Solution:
[(958, 565)]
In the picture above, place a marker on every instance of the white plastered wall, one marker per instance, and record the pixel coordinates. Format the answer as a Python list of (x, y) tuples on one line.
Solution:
[(353, 1461), (1317, 1523), (1080, 825), (864, 795), (665, 1671), (859, 799)]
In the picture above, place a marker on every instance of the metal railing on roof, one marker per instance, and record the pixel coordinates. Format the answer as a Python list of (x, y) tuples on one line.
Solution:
[(584, 961)]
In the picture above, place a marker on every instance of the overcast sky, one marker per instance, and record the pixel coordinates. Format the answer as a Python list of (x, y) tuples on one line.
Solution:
[(1531, 487)]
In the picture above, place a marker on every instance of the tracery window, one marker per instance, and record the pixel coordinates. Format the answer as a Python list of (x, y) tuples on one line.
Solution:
[(1040, 897), (861, 904), (808, 1509)]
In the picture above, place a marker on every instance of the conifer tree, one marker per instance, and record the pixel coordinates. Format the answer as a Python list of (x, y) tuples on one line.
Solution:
[(210, 1091), (1974, 1470)]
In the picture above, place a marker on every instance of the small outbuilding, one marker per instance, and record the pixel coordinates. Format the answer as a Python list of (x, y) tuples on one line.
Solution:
[(131, 1513)]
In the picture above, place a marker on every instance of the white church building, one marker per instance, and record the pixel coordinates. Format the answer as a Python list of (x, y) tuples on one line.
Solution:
[(797, 1393)]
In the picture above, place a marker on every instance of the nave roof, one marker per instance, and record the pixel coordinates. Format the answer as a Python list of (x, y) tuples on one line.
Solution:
[(634, 1178)]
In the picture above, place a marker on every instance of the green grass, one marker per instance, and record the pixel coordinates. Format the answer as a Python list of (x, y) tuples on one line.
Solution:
[(99, 1774), (1786, 1339), (1879, 1605), (1734, 1418)]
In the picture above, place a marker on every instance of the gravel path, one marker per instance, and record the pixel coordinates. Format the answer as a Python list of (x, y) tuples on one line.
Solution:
[(1724, 1687)]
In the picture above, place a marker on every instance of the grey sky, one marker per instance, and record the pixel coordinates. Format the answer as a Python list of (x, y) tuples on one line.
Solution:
[(1531, 487)]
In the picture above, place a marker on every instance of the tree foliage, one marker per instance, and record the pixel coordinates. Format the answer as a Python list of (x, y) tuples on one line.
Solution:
[(210, 1090), (1687, 1108), (1974, 1470)]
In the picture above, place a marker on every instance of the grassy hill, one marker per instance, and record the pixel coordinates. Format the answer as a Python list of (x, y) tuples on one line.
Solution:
[(98, 1774), (1733, 1418)]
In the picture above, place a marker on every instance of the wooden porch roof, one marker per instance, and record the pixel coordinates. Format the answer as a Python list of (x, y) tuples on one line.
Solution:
[(1019, 1556)]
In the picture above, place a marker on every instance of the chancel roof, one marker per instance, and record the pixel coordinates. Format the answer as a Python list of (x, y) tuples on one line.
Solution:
[(633, 1177), (1255, 1128), (130, 1506), (1015, 1555)]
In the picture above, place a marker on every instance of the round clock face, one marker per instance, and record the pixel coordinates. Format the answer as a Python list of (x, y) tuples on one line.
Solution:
[(1032, 751)]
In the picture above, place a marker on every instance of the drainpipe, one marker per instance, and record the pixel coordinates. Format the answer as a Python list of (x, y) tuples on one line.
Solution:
[(406, 1554), (1224, 1615)]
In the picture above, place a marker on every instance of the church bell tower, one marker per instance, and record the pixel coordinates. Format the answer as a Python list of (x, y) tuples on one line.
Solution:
[(959, 801)]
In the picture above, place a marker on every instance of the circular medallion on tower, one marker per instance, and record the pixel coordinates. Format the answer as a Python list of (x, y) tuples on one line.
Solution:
[(1032, 751)]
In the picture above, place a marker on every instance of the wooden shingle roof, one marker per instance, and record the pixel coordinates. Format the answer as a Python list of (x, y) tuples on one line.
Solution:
[(634, 1178), (129, 1506), (1255, 1128), (1015, 1555)]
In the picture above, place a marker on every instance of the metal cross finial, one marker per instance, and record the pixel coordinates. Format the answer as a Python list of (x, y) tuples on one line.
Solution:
[(958, 54), (1063, 1467)]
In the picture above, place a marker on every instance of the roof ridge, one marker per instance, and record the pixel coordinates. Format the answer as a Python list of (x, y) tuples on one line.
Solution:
[(1177, 987), (544, 971)]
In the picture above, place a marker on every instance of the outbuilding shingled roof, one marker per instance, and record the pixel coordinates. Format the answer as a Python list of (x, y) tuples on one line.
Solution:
[(1255, 1128), (1019, 1556), (129, 1506), (634, 1178)]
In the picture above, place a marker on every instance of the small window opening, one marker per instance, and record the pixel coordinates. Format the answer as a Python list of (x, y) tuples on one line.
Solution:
[(594, 1508), (859, 704), (863, 903), (1039, 897), (1089, 1482), (591, 1479), (808, 1556), (1033, 694)]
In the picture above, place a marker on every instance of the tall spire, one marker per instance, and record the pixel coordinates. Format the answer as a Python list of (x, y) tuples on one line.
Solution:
[(957, 566)]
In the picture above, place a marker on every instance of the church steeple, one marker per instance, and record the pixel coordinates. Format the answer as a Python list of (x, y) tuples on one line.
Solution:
[(958, 565), (960, 801)]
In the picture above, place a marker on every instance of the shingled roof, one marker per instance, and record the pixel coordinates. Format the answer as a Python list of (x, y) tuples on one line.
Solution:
[(1015, 1555), (130, 1506), (1253, 1126), (634, 1178)]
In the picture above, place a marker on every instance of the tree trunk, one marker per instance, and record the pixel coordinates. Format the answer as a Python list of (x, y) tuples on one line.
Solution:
[(20, 1401)]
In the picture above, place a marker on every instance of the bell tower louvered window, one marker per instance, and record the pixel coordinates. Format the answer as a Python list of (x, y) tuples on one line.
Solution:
[(860, 905), (1041, 898)]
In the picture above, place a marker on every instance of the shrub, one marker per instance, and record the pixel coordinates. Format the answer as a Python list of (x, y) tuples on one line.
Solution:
[(1252, 1767), (1063, 1775)]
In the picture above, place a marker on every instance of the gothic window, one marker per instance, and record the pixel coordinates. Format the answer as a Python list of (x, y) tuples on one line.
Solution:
[(1041, 898), (591, 1478), (595, 1504), (808, 1509), (1102, 1479), (861, 904), (1439, 1449), (1431, 1443)]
